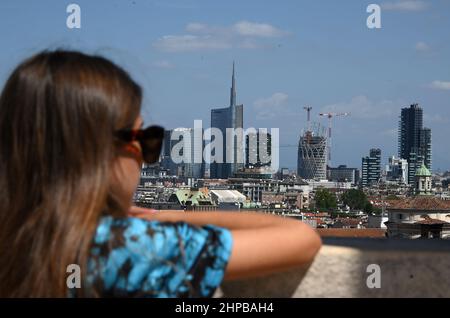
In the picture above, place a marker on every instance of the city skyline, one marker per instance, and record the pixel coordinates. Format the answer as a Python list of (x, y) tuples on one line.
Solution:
[(288, 55)]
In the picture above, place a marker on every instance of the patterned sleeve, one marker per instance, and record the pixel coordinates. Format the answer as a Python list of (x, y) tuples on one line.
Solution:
[(132, 257)]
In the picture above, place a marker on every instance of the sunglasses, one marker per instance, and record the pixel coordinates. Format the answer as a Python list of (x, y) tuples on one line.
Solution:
[(150, 139)]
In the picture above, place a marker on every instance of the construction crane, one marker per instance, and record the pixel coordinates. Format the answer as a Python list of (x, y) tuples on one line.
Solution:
[(308, 110), (308, 132), (330, 117)]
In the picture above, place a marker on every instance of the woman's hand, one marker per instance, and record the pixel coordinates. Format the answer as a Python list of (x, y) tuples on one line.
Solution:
[(136, 211)]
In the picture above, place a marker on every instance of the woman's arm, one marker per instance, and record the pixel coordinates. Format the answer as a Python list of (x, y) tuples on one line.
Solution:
[(262, 244), (229, 220), (259, 251)]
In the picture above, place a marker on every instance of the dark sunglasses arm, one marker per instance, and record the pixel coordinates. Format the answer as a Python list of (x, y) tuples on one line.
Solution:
[(152, 132)]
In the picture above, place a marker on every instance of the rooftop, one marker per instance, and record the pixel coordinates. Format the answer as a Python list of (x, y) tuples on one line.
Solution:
[(430, 221), (426, 203), (368, 233), (423, 171), (229, 196)]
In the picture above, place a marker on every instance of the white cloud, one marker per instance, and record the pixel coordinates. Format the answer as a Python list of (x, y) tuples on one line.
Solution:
[(183, 43), (163, 64), (364, 108), (405, 5), (201, 36), (246, 28), (270, 106), (422, 47), (440, 85)]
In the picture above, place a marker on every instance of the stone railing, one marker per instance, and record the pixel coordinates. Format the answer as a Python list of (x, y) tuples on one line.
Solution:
[(407, 268)]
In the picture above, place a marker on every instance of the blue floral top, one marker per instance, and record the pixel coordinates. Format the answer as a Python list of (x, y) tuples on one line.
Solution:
[(131, 257)]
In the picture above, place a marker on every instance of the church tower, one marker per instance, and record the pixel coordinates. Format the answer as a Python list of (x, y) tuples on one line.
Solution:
[(423, 181)]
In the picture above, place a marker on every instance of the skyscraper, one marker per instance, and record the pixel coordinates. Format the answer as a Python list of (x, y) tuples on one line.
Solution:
[(187, 149), (258, 149), (397, 170), (371, 168), (229, 118), (414, 141), (312, 155), (425, 145)]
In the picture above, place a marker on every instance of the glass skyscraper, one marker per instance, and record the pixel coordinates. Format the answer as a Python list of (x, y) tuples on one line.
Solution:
[(258, 149), (371, 168), (414, 141), (229, 118), (188, 150)]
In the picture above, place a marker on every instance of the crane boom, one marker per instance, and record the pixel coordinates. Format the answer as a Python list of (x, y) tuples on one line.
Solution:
[(330, 117)]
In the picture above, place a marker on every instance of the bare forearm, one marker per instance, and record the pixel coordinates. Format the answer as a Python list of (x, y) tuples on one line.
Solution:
[(230, 220)]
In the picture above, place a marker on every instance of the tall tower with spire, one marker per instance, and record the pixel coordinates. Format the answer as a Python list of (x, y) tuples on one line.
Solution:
[(233, 90), (230, 121)]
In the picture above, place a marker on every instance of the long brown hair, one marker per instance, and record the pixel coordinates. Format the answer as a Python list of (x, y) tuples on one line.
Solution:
[(58, 114)]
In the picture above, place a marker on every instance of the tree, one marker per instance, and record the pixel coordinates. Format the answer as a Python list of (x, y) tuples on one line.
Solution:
[(368, 208), (325, 200), (357, 200), (377, 211)]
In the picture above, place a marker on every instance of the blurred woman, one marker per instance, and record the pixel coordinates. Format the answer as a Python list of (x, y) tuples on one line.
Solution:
[(72, 144)]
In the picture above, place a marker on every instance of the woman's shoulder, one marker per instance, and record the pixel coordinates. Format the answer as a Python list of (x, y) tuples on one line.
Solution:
[(112, 227), (133, 228), (155, 254)]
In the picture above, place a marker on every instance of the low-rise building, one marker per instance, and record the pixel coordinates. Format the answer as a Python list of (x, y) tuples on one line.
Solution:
[(420, 216), (227, 199), (193, 199), (343, 174)]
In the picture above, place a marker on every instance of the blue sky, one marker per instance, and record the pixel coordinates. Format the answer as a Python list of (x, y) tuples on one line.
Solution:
[(288, 54)]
